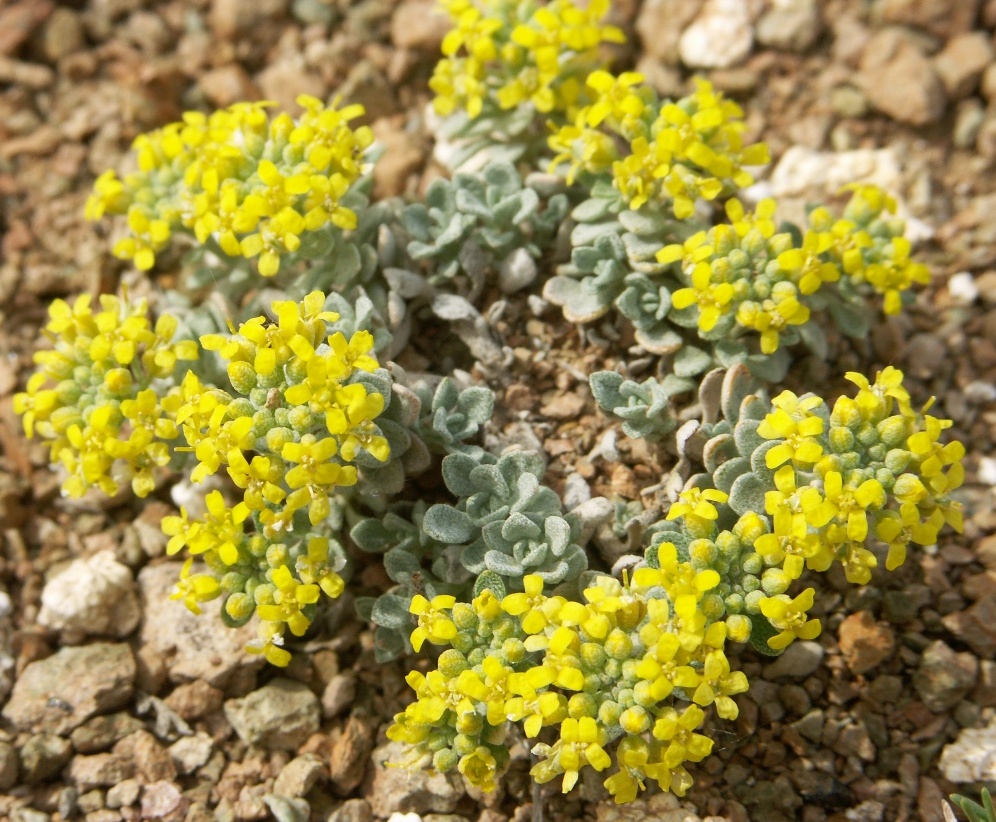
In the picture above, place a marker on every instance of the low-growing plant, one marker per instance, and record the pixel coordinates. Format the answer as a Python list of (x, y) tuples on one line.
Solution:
[(275, 393)]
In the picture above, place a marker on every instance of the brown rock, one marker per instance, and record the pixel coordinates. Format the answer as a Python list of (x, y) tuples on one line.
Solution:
[(976, 626), (228, 84), (864, 642), (43, 756), (9, 766), (418, 24), (350, 754), (899, 81), (961, 63), (193, 648), (398, 790), (563, 406), (232, 18), (942, 18), (404, 154), (19, 20), (299, 776), (163, 800), (283, 82), (152, 761), (660, 23), (944, 677), (99, 771), (100, 733), (62, 35), (61, 692), (193, 700)]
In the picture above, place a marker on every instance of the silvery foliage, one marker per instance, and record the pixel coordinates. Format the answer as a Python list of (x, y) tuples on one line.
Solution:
[(447, 418), (645, 409), (478, 225), (613, 266), (505, 520)]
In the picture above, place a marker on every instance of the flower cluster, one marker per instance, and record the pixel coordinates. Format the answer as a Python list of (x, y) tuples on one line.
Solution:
[(631, 671), (501, 55), (676, 152), (251, 183), (102, 396), (743, 275), (290, 434), (625, 677)]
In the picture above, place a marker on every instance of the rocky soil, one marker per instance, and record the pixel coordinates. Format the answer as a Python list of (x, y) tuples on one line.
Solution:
[(118, 704)]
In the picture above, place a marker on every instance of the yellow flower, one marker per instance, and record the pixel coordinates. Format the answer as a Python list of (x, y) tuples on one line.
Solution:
[(792, 422), (195, 589), (270, 644), (697, 503), (289, 600), (315, 568), (480, 768), (713, 299), (528, 604), (433, 623), (789, 618), (847, 505), (580, 745)]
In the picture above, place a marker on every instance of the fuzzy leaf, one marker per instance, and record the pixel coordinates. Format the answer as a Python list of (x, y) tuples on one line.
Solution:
[(503, 564), (747, 438), (447, 524), (737, 384), (760, 632), (727, 473), (401, 565), (690, 361), (370, 535), (489, 581), (391, 611), (747, 494)]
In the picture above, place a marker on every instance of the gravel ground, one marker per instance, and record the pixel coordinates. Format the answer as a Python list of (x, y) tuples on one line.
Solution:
[(133, 709)]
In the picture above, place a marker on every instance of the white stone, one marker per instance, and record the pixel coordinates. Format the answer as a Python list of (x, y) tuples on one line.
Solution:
[(404, 817), (576, 491), (962, 287), (721, 36), (972, 756), (93, 596), (987, 470), (516, 272)]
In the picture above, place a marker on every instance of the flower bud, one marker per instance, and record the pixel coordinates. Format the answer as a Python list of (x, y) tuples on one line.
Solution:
[(444, 760), (242, 377), (734, 603), (738, 628), (752, 602), (775, 581), (841, 439), (643, 694), (277, 555), (846, 413), (702, 553), (592, 655), (712, 606), (470, 723), (452, 663), (618, 645), (240, 606), (635, 720), (752, 564), (897, 460), (464, 744), (233, 582), (299, 418), (263, 593), (749, 527), (582, 704), (893, 430), (277, 438), (609, 713), (513, 650)]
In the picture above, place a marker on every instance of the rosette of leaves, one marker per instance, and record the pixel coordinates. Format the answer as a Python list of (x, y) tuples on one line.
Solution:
[(478, 225), (452, 416), (645, 409), (613, 266), (415, 562), (505, 521)]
